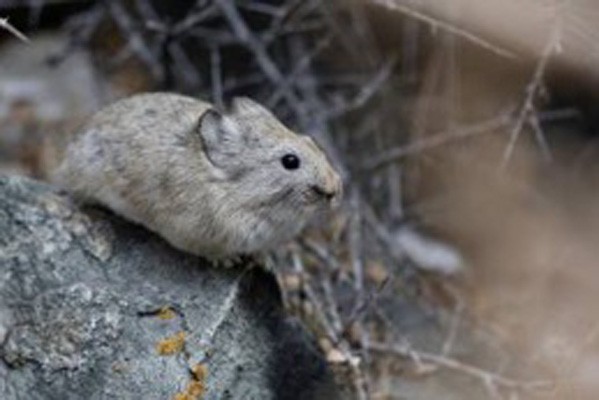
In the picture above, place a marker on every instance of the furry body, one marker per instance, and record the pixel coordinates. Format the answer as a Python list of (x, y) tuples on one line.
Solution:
[(210, 183)]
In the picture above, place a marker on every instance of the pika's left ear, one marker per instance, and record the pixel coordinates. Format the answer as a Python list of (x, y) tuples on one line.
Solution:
[(245, 106)]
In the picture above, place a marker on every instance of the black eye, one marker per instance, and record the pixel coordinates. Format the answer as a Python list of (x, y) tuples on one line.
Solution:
[(290, 161)]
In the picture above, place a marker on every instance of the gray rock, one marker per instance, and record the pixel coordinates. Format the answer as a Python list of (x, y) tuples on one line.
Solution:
[(80, 300)]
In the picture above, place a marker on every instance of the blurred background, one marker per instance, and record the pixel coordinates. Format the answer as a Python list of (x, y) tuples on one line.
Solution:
[(464, 262)]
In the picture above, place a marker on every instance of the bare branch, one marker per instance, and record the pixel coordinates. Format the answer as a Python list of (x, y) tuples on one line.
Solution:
[(437, 140), (532, 90), (446, 26), (405, 351), (185, 67), (268, 66), (4, 24), (135, 40), (277, 24), (216, 77), (331, 328), (540, 137), (366, 92), (193, 20), (299, 68)]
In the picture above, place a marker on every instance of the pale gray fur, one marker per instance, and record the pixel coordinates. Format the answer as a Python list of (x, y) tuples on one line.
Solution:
[(210, 183)]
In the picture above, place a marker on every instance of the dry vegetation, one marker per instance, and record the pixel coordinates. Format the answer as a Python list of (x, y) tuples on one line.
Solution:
[(471, 120)]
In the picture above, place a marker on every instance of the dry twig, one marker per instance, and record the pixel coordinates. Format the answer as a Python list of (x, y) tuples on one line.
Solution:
[(436, 140), (332, 326), (446, 26), (532, 90), (487, 377), (4, 24)]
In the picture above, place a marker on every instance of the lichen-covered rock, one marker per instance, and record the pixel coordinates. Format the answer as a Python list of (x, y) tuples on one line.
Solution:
[(93, 307)]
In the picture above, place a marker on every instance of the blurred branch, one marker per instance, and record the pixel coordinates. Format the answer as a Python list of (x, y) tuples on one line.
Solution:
[(216, 77), (81, 29), (135, 40), (440, 361), (279, 19), (331, 323), (4, 24), (246, 36), (193, 19), (366, 91), (540, 137), (446, 26), (300, 67), (436, 140), (532, 90)]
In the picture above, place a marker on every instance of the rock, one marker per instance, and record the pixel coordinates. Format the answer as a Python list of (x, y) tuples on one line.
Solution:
[(93, 307)]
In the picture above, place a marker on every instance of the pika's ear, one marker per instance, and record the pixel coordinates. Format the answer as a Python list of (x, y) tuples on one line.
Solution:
[(245, 105), (218, 134), (210, 126)]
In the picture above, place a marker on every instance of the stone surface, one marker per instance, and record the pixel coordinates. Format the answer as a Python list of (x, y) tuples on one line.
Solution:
[(88, 302)]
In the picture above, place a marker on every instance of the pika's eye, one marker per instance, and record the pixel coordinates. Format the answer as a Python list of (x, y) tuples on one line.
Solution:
[(290, 161)]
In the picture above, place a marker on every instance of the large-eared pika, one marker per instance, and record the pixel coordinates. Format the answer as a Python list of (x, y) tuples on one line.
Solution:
[(212, 183)]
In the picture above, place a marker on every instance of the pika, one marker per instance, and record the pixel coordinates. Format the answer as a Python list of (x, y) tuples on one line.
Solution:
[(212, 183)]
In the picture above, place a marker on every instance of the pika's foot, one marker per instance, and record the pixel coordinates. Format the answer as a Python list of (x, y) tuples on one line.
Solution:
[(243, 260)]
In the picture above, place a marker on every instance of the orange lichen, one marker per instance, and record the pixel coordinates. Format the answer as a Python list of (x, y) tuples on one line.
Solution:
[(171, 345), (200, 371), (196, 388)]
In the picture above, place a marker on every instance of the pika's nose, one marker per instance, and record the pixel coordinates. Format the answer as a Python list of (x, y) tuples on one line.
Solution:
[(327, 192)]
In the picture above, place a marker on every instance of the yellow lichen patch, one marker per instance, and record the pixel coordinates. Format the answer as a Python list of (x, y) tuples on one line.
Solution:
[(171, 345), (196, 387), (200, 371), (166, 313)]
